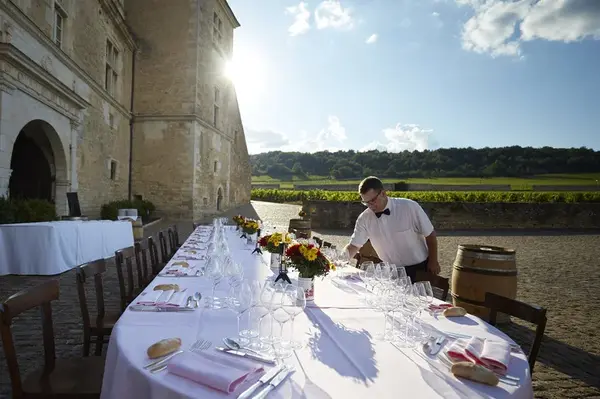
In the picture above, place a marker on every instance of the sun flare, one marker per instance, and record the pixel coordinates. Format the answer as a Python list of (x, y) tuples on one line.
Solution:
[(247, 72)]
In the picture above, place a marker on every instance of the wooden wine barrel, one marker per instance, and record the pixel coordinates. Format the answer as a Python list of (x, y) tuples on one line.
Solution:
[(479, 269), (301, 226)]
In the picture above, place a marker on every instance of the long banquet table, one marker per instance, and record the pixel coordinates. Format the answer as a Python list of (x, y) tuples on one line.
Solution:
[(49, 248), (341, 359)]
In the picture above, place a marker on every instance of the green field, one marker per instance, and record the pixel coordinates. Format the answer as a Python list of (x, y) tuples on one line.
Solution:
[(591, 179)]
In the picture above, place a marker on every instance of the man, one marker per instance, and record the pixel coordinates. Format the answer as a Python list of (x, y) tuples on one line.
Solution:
[(399, 229)]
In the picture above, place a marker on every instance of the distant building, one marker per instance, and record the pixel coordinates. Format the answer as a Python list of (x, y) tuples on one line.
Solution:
[(69, 70)]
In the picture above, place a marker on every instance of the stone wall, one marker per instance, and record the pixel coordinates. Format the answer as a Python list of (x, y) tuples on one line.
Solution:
[(470, 216), (457, 187), (337, 187)]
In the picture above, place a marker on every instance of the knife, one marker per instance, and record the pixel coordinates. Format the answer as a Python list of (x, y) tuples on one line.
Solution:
[(437, 345), (260, 358), (267, 377), (273, 383)]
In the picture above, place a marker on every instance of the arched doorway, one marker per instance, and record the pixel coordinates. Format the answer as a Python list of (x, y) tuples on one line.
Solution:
[(219, 199), (35, 163)]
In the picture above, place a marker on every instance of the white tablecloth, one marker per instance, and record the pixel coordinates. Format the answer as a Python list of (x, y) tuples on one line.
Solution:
[(342, 359), (50, 248)]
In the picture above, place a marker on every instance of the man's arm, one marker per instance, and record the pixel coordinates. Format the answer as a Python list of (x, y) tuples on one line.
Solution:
[(358, 239), (433, 265), (351, 251)]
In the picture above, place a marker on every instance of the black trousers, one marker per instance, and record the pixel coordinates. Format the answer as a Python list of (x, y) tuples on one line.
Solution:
[(411, 271)]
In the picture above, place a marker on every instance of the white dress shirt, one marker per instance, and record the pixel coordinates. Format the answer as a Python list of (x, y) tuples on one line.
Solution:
[(399, 237)]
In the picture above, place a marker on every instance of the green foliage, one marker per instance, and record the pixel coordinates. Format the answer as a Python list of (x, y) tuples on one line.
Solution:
[(445, 162), (283, 196), (26, 211), (110, 211)]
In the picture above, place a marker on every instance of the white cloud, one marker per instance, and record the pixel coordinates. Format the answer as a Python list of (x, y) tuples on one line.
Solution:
[(331, 14), (330, 138), (409, 137), (499, 27), (435, 14), (301, 19), (371, 39)]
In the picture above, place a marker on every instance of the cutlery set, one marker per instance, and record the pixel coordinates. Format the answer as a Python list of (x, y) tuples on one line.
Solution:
[(269, 382)]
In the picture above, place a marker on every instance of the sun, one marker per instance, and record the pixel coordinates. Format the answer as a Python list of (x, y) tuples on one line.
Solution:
[(247, 71)]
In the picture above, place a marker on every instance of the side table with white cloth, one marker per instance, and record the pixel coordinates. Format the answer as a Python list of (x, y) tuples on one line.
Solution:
[(50, 248), (341, 358)]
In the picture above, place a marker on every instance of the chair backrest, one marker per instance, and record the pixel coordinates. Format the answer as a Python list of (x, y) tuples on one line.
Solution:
[(39, 296), (154, 258), (318, 240), (195, 226), (531, 313), (93, 269), (141, 260), (176, 236), (164, 250), (124, 259), (326, 244), (172, 244), (299, 234), (73, 201)]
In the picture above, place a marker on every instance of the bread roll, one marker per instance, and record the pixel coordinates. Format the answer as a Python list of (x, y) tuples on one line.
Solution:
[(181, 263), (164, 347), (455, 311), (475, 372), (166, 287)]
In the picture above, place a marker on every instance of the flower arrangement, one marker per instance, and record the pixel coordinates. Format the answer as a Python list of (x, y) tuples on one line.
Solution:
[(271, 242), (239, 220), (308, 260), (302, 214), (250, 226)]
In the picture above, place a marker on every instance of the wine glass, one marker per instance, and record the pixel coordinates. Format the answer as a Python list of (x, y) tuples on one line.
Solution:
[(214, 273), (240, 304), (280, 345), (266, 301), (294, 303)]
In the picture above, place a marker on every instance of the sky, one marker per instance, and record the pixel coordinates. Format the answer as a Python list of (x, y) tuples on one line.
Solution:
[(401, 75)]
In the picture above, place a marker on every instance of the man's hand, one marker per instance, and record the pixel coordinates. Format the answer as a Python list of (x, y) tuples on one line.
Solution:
[(433, 267)]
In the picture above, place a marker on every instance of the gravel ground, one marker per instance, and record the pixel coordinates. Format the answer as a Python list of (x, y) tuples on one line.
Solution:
[(559, 272)]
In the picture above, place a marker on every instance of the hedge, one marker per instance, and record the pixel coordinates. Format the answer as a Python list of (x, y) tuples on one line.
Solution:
[(110, 211), (281, 196), (26, 210)]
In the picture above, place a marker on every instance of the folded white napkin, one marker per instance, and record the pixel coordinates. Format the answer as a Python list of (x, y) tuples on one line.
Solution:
[(149, 298), (164, 298), (178, 299)]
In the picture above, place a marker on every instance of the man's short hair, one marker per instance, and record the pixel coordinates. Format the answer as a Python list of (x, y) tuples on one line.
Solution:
[(370, 183)]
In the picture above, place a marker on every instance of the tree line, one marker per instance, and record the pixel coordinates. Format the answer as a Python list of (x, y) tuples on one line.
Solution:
[(513, 161)]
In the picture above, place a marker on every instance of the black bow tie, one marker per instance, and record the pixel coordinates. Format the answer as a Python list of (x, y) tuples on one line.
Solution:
[(378, 214)]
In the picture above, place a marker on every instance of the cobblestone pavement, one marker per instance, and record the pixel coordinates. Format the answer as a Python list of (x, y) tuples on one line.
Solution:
[(560, 272)]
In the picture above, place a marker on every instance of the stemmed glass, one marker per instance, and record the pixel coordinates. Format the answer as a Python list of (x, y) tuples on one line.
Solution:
[(214, 273), (240, 304), (294, 303), (266, 301), (280, 345), (253, 331)]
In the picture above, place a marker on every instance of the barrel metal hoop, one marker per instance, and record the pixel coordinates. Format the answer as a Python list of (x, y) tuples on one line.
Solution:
[(488, 256), (487, 272), (467, 300)]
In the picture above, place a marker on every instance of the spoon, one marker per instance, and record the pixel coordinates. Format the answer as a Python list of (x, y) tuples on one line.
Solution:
[(234, 345), (197, 297)]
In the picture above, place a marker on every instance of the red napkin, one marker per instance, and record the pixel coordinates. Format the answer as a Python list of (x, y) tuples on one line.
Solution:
[(493, 355)]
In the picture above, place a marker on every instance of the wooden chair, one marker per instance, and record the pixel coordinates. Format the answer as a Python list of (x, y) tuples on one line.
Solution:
[(155, 261), (124, 259), (326, 244), (164, 249), (176, 237), (58, 378), (318, 240), (531, 313), (141, 260), (173, 245), (98, 329), (299, 234)]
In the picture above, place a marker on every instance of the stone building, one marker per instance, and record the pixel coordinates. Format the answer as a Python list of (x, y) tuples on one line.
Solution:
[(82, 79)]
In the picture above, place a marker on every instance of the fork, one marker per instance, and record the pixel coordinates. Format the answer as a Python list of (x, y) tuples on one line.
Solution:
[(200, 345)]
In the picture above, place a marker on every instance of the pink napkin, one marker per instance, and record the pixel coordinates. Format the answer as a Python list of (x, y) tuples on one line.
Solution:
[(494, 355), (441, 306), (216, 371), (149, 298)]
